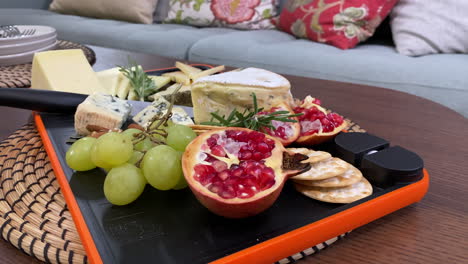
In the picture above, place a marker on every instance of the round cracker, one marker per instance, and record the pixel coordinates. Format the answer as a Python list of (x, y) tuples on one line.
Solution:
[(314, 156), (351, 176), (324, 169), (346, 194)]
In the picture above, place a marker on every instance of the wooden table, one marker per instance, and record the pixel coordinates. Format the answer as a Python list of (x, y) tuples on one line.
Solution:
[(434, 230)]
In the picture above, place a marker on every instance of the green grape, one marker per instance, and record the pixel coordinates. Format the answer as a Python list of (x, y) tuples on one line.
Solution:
[(124, 184), (182, 182), (144, 145), (111, 149), (179, 136), (130, 133), (78, 156), (97, 161), (162, 167), (136, 157)]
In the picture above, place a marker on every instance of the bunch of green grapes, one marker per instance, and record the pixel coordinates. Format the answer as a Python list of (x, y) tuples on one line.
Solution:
[(132, 161)]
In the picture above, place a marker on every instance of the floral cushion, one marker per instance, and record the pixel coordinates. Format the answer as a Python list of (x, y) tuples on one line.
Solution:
[(240, 14), (341, 23)]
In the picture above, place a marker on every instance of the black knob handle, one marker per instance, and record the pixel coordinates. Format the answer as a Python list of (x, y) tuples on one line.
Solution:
[(391, 166), (352, 147)]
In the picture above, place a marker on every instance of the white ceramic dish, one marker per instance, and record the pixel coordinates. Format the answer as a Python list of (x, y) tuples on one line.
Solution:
[(25, 57), (42, 32), (12, 49)]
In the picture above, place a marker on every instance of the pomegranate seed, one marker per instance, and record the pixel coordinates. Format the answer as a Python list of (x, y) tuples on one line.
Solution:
[(243, 136), (211, 141), (210, 158), (257, 156), (224, 175), (227, 192), (257, 136), (203, 169), (245, 193), (250, 182), (281, 132), (239, 172), (270, 142), (206, 178), (218, 151), (267, 185), (215, 187), (245, 155), (263, 147), (317, 101), (268, 172), (254, 171), (219, 165)]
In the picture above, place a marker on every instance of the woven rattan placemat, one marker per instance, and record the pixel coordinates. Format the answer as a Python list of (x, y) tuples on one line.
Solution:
[(33, 213), (19, 76)]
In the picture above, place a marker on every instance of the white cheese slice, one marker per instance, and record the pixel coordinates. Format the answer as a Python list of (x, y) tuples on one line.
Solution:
[(123, 88), (110, 80), (102, 110)]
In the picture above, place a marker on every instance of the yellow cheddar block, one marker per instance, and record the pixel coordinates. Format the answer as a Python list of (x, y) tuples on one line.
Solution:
[(65, 71)]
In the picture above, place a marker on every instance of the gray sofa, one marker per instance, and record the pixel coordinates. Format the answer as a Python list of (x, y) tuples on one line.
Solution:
[(442, 78)]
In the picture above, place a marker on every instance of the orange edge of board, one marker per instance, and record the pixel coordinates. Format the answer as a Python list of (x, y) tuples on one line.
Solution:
[(81, 227), (273, 249), (80, 223), (307, 236)]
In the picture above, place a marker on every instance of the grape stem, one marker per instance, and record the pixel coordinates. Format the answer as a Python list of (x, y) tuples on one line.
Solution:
[(151, 130)]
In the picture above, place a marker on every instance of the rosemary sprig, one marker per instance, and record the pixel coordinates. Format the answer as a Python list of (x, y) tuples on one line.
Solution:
[(142, 84), (250, 118)]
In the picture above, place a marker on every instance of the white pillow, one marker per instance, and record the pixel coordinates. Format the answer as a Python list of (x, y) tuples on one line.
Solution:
[(422, 27)]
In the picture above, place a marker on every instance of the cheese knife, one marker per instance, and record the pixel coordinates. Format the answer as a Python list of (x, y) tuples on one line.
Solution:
[(55, 102)]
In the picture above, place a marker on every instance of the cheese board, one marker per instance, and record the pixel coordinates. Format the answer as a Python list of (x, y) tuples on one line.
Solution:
[(173, 227)]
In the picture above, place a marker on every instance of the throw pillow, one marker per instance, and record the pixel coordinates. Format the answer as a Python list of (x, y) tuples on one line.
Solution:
[(136, 11), (421, 27), (239, 14), (162, 9), (341, 23)]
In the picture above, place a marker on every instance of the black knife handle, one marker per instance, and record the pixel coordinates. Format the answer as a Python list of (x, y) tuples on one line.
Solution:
[(40, 100)]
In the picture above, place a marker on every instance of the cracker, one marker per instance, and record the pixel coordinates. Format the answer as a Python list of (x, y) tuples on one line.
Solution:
[(314, 156), (324, 169), (346, 194), (351, 176)]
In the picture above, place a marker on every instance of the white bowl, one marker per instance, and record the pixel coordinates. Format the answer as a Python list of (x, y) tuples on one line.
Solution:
[(42, 32), (25, 57), (27, 46)]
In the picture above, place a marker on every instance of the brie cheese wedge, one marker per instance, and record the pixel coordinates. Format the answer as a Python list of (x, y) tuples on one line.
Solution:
[(224, 92)]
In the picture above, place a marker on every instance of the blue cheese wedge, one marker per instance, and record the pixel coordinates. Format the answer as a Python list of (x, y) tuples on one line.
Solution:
[(159, 108), (101, 110)]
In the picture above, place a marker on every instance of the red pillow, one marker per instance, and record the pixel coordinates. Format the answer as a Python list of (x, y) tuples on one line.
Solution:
[(341, 23)]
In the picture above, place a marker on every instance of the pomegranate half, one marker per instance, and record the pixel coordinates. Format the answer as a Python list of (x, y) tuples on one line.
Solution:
[(286, 132), (317, 126), (238, 172)]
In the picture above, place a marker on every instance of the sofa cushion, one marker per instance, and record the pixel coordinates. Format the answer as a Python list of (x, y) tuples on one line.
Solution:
[(136, 11), (163, 39), (423, 27), (441, 78)]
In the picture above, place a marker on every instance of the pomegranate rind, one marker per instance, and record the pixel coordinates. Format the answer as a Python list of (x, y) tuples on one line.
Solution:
[(295, 126), (318, 138), (315, 139), (233, 207)]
